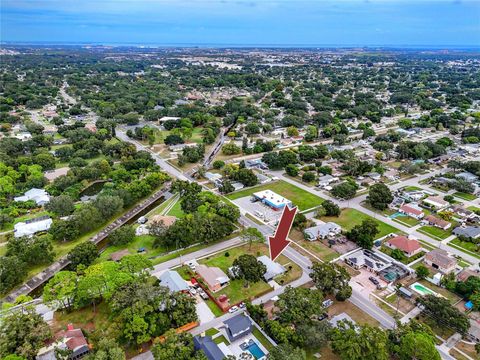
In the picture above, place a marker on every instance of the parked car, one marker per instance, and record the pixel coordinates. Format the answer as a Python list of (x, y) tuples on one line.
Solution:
[(374, 281), (233, 309), (192, 291), (242, 305), (191, 265), (327, 303), (142, 220)]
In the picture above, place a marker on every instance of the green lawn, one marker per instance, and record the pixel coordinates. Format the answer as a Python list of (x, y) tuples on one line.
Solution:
[(351, 217), (465, 245), (263, 340), (160, 208), (473, 208), (176, 211), (435, 232), (236, 290), (211, 332), (142, 241), (299, 197), (406, 260), (465, 196), (412, 188), (214, 308), (220, 339), (407, 221)]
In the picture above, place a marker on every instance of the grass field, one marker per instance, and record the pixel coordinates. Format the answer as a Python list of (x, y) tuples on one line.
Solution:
[(176, 210), (465, 196), (351, 217), (407, 221), (465, 245), (263, 340), (142, 241), (435, 232), (316, 247), (299, 197)]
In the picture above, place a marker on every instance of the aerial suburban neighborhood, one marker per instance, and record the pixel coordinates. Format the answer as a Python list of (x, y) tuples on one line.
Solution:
[(142, 188)]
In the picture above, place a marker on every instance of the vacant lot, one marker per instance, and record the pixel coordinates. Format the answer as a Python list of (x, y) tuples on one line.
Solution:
[(299, 197), (435, 232), (351, 217), (465, 196)]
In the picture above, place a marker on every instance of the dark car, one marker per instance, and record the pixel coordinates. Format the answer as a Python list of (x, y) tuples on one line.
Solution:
[(373, 280)]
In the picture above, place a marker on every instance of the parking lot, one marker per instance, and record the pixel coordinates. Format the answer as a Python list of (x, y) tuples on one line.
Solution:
[(259, 210)]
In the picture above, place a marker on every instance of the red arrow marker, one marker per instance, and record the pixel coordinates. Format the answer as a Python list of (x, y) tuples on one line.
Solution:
[(279, 241)]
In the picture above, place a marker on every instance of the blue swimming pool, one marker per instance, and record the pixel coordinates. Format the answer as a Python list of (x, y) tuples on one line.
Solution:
[(255, 350)]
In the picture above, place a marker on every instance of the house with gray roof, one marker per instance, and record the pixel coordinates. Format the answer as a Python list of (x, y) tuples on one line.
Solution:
[(208, 346), (273, 268), (322, 231), (471, 232), (238, 327), (467, 176), (173, 281)]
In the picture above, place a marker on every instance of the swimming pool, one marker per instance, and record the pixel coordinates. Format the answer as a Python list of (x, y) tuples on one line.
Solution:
[(422, 290), (255, 350), (397, 214)]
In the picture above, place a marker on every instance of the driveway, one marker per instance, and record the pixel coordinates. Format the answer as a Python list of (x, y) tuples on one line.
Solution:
[(205, 315)]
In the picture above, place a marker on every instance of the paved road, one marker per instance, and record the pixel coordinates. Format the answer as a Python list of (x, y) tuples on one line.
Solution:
[(356, 203), (173, 171)]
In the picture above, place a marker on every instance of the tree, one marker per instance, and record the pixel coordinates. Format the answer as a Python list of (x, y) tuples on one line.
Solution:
[(23, 333), (308, 176), (352, 342), (61, 288), (331, 209), (291, 170), (173, 139), (107, 349), (314, 334), (247, 267), (419, 346), (226, 187), (108, 205), (379, 196), (398, 254), (176, 346), (300, 221), (422, 272), (345, 190), (331, 279), (218, 164), (251, 235), (62, 205), (12, 272), (246, 176), (231, 149), (122, 236), (286, 352), (443, 313), (299, 305), (83, 254), (364, 233)]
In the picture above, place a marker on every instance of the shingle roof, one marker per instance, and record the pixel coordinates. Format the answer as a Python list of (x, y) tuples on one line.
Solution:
[(173, 281), (404, 244)]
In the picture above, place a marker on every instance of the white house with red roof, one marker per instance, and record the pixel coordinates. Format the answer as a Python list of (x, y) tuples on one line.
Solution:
[(409, 247), (412, 210)]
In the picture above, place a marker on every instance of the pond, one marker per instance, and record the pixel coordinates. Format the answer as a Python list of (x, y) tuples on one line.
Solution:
[(93, 189)]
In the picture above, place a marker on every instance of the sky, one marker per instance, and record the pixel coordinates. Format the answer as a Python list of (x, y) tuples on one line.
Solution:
[(422, 23)]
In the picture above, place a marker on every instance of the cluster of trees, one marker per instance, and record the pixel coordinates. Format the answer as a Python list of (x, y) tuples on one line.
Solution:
[(379, 196), (207, 218), (345, 190), (419, 151), (239, 173), (364, 233), (139, 307), (191, 154), (468, 289), (22, 254)]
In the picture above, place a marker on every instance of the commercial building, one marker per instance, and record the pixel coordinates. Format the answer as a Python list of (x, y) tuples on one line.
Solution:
[(272, 199)]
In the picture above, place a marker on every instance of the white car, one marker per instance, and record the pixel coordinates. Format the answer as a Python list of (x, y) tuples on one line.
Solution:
[(233, 309), (192, 291)]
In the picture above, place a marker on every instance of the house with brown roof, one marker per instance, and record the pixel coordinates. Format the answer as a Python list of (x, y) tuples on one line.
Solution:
[(72, 339), (408, 246), (214, 277), (466, 273), (437, 222), (441, 260), (412, 210), (167, 220)]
